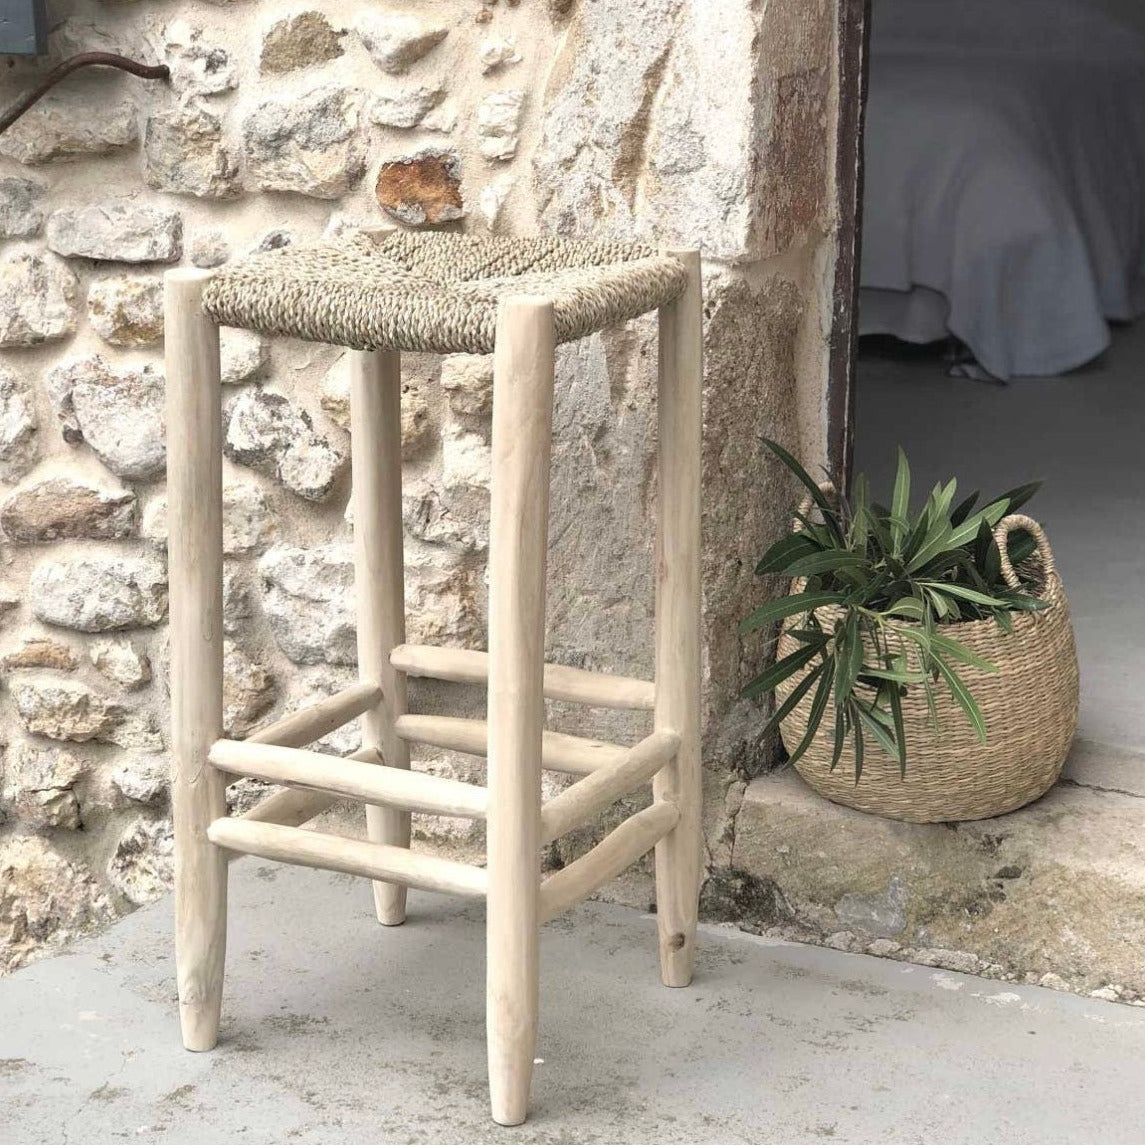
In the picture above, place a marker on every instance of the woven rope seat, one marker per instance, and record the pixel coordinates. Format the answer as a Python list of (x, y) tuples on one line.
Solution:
[(437, 293)]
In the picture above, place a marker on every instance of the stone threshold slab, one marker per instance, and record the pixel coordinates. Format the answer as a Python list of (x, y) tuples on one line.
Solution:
[(1053, 893)]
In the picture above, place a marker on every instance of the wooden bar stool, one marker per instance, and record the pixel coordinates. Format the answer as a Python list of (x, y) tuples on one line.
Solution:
[(380, 295)]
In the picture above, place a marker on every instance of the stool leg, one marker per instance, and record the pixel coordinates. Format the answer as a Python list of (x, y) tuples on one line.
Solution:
[(522, 427), (195, 557), (678, 855), (379, 577)]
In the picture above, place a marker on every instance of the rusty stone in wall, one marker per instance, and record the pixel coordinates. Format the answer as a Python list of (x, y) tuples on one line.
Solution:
[(423, 189), (60, 508), (41, 653)]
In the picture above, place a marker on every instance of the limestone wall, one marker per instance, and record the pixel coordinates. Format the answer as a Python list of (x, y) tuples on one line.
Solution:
[(692, 122)]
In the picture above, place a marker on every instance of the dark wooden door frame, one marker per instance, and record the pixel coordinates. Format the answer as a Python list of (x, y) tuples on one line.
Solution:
[(23, 27), (854, 27)]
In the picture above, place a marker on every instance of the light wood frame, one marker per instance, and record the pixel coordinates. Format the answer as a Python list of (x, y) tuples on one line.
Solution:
[(518, 680)]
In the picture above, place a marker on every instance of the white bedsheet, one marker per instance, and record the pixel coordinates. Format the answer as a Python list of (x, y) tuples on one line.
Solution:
[(1005, 173)]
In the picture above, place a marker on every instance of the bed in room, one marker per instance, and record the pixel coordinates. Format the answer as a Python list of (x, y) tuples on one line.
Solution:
[(1004, 199)]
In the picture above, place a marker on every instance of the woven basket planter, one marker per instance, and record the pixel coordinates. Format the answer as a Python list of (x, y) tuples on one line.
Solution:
[(1029, 705)]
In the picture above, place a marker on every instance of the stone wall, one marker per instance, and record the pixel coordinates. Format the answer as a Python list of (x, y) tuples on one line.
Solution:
[(691, 122)]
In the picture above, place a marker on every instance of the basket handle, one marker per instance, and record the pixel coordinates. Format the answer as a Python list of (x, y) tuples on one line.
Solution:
[(1002, 531), (808, 503)]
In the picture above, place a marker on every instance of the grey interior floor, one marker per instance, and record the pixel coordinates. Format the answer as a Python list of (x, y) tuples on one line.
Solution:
[(1084, 434), (338, 1031)]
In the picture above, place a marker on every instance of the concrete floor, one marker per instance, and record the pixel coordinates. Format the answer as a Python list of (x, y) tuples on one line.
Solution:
[(338, 1032), (1082, 434)]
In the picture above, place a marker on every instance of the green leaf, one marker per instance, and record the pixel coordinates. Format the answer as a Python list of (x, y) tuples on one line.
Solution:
[(840, 736), (860, 514), (941, 607), (961, 694), (894, 675), (790, 548), (931, 706), (919, 636), (848, 659), (967, 531), (886, 742), (805, 479), (857, 729), (818, 707), (820, 562), (908, 607), (895, 701), (785, 606), (808, 635), (963, 511), (880, 533), (797, 693), (900, 502), (964, 593), (1018, 497), (936, 540), (779, 671), (1021, 546), (960, 652)]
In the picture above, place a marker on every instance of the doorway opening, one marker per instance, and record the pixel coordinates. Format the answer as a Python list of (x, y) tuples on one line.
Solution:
[(1002, 290)]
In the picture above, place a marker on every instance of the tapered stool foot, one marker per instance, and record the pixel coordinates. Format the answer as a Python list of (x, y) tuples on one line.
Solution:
[(199, 1024)]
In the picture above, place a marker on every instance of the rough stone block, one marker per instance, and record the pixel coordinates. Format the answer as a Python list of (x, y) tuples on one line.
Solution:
[(467, 380), (499, 123), (198, 67), (38, 786), (142, 868), (405, 107), (121, 415), (21, 215), (19, 441), (497, 52), (117, 230), (99, 593), (396, 42), (65, 508), (45, 899), (37, 301), (143, 779), (249, 692), (185, 153), (269, 434), (248, 524), (308, 144), (244, 356), (40, 652), (61, 127), (122, 662), (127, 310), (299, 41), (1056, 887), (65, 711)]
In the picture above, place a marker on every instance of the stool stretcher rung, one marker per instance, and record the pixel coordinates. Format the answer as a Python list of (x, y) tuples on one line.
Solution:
[(621, 848), (293, 806), (350, 856), (463, 666), (586, 799), (312, 723), (559, 752), (370, 783)]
